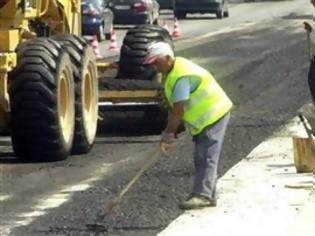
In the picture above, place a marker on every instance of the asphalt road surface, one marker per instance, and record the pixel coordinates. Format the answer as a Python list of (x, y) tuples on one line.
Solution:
[(258, 56)]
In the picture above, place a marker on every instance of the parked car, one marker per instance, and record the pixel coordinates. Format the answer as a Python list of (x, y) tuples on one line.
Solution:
[(97, 19), (218, 7), (166, 4), (135, 11)]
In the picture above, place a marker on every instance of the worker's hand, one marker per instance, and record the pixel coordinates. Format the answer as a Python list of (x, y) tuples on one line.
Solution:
[(308, 27), (165, 147), (167, 140)]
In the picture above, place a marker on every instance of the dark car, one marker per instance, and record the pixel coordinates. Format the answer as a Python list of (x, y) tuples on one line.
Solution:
[(166, 4), (135, 11), (218, 7), (97, 19)]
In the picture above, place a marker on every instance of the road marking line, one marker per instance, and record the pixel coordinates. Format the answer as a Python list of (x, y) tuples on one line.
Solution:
[(53, 201), (4, 197)]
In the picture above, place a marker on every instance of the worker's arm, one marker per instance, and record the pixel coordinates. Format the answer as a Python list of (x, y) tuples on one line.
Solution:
[(173, 123), (180, 97), (175, 117)]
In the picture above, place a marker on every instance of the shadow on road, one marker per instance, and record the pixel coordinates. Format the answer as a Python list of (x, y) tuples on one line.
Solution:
[(130, 130), (8, 158), (281, 166), (104, 141), (133, 228), (297, 17), (98, 228)]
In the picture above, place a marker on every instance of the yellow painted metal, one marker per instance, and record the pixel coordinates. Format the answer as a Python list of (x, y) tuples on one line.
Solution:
[(64, 104), (7, 62), (62, 16), (89, 102), (4, 96), (4, 101), (9, 39), (106, 65), (9, 11), (129, 94)]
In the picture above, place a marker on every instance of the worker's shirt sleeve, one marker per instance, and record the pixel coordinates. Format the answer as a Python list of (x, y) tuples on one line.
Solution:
[(184, 87)]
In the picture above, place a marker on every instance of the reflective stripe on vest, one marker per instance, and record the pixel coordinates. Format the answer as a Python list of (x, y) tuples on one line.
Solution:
[(207, 104)]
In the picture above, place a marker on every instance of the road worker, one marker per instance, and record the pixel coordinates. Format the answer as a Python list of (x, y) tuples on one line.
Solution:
[(197, 99), (309, 27)]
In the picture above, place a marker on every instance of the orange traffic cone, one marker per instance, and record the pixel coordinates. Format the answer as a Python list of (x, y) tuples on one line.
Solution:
[(113, 43), (96, 47), (165, 26), (176, 32)]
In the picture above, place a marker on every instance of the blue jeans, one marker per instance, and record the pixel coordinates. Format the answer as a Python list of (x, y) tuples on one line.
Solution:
[(208, 145)]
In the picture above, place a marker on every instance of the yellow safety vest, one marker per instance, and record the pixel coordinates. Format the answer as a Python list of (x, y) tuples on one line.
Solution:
[(207, 104)]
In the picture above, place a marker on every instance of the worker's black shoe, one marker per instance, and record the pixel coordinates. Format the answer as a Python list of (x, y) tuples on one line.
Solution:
[(197, 202)]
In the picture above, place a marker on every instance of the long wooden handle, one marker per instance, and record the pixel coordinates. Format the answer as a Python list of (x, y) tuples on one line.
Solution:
[(156, 157)]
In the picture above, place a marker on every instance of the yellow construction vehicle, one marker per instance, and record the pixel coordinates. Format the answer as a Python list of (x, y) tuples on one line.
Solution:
[(49, 93), (48, 79)]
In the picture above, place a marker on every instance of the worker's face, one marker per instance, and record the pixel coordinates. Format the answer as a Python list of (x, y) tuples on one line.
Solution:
[(163, 64)]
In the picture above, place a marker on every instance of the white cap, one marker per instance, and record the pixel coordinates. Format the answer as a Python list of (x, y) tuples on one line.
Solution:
[(157, 50)]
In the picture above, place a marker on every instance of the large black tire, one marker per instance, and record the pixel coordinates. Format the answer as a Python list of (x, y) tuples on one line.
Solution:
[(134, 50), (42, 101), (86, 91)]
